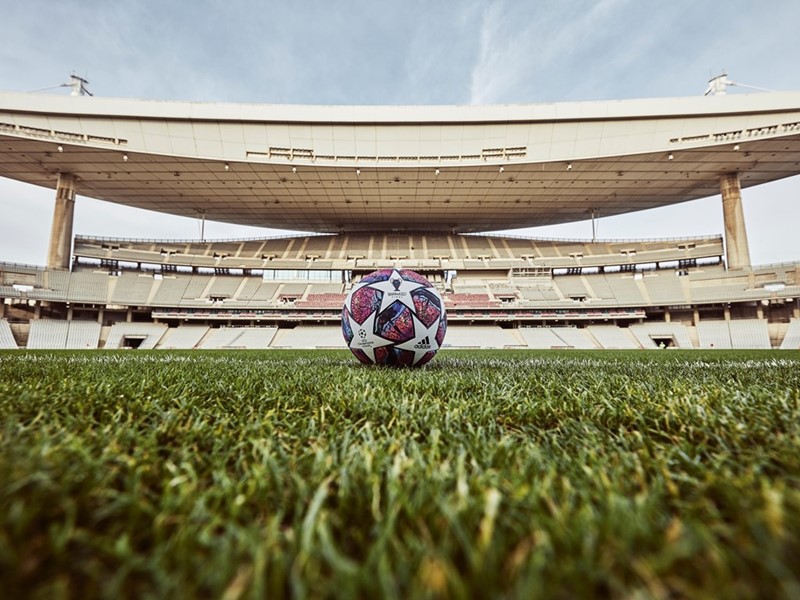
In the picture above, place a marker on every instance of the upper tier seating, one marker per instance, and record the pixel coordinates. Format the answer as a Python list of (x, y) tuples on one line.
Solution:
[(132, 289), (88, 287), (387, 247)]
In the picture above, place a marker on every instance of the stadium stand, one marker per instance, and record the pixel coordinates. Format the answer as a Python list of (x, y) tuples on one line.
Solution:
[(653, 335), (184, 337), (749, 334), (483, 251), (265, 293), (574, 337), (238, 337), (599, 288), (82, 335), (665, 288), (791, 340), (613, 337), (577, 292), (131, 289), (53, 334), (481, 336), (47, 334), (9, 291), (572, 287), (195, 290), (256, 338), (224, 287), (170, 291), (51, 285), (7, 341), (90, 287), (292, 290), (309, 336), (541, 338), (626, 289), (714, 334), (144, 336), (248, 289)]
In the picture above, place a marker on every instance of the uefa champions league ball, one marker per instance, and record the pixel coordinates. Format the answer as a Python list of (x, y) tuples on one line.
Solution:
[(394, 317)]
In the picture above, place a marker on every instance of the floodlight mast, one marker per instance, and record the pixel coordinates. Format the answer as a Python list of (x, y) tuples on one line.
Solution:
[(718, 86), (78, 85)]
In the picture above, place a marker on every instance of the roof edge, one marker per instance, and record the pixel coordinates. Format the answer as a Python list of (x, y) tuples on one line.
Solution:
[(51, 104)]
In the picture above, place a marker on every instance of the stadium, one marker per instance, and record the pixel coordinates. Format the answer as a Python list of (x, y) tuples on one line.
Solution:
[(415, 187), (295, 471)]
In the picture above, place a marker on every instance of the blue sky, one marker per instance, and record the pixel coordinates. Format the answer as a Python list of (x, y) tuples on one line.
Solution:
[(410, 52)]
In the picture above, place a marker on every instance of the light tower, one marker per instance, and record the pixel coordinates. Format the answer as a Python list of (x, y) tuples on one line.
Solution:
[(79, 86)]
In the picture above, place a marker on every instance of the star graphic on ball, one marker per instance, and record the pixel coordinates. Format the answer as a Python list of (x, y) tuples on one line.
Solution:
[(424, 340), (365, 339), (396, 289)]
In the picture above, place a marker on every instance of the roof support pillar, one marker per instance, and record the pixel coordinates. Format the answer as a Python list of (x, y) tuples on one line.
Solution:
[(736, 248), (59, 253)]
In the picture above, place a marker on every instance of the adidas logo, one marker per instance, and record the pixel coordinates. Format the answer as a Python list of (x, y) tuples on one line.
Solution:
[(423, 344)]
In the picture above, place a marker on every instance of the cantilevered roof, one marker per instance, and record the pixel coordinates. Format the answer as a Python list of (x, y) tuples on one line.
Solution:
[(399, 168)]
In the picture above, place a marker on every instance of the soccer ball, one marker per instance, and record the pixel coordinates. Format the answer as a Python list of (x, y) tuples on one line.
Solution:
[(394, 317)]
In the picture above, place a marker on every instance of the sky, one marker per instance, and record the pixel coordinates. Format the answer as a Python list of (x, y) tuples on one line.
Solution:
[(419, 52)]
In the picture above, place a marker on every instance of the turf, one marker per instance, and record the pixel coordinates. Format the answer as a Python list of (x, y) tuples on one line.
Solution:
[(659, 474)]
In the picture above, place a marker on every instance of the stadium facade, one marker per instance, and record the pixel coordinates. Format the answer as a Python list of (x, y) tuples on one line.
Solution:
[(414, 187)]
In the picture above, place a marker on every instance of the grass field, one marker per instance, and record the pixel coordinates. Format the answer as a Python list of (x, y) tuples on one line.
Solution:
[(520, 474)]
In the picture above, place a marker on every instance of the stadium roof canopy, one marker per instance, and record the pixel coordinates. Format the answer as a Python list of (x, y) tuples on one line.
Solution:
[(399, 168)]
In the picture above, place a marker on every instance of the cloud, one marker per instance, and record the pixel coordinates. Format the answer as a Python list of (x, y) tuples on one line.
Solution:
[(521, 50)]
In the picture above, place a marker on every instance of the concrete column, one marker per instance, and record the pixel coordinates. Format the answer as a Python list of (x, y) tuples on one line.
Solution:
[(736, 248), (59, 254)]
